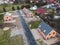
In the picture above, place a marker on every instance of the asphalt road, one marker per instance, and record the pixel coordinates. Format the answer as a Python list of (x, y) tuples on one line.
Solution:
[(30, 38)]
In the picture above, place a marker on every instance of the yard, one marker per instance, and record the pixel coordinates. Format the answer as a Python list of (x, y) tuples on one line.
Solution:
[(34, 24), (5, 38)]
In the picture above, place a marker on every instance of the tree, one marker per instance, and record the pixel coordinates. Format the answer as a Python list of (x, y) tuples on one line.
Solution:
[(26, 6), (40, 3), (13, 8), (27, 1), (18, 7), (4, 9)]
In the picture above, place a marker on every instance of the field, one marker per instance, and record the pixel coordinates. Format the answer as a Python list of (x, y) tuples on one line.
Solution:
[(5, 38)]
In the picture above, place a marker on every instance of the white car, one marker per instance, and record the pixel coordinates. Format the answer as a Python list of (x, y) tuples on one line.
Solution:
[(33, 8), (56, 17)]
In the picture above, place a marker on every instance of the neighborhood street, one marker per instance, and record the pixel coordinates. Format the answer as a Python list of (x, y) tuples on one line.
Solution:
[(27, 31)]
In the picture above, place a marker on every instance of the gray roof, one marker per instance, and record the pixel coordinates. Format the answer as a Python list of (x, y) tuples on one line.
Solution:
[(45, 28)]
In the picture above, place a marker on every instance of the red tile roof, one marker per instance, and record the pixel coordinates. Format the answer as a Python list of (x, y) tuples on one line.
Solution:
[(40, 10)]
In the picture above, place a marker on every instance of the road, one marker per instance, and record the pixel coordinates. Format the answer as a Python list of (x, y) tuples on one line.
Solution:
[(27, 31)]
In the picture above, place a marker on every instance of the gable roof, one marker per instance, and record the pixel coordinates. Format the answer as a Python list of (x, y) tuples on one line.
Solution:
[(45, 28)]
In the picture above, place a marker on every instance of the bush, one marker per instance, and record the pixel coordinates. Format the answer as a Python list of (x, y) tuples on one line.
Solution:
[(18, 7), (26, 6), (41, 3), (4, 9), (13, 8)]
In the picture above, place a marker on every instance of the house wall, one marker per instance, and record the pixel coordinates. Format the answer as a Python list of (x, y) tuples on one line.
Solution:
[(52, 34), (31, 14), (44, 36), (49, 35)]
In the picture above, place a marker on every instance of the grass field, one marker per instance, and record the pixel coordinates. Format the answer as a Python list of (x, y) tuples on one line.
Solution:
[(1, 18), (5, 38), (17, 40)]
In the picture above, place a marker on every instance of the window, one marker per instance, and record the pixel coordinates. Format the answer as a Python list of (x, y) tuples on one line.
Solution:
[(7, 17), (49, 34), (6, 20), (53, 33)]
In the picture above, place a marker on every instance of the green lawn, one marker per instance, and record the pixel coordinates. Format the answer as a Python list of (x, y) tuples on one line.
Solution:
[(8, 7), (5, 38), (34, 24), (40, 41), (1, 18), (17, 40), (33, 11)]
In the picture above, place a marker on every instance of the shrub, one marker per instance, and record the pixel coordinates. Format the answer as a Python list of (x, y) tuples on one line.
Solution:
[(26, 6), (18, 7), (4, 9), (13, 8), (41, 3)]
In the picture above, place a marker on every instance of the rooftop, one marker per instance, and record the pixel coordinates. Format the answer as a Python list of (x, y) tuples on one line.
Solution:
[(45, 28), (40, 10)]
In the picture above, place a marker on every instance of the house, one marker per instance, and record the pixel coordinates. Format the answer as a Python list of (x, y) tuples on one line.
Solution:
[(31, 1), (8, 1), (53, 6), (7, 17), (46, 31), (27, 12), (51, 1)]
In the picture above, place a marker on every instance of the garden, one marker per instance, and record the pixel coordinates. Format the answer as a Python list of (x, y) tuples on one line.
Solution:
[(34, 24)]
